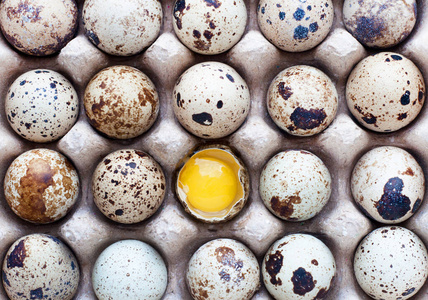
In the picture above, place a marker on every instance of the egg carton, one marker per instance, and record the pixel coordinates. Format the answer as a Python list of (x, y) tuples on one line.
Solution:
[(175, 234)]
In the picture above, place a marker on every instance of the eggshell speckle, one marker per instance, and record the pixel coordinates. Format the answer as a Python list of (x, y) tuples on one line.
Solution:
[(40, 266), (128, 186), (385, 92), (41, 106), (211, 100), (41, 186), (391, 263), (302, 100), (121, 102), (129, 269), (223, 269), (298, 266)]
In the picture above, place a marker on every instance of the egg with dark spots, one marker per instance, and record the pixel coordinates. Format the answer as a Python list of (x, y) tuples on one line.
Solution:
[(385, 92), (289, 270), (389, 184)]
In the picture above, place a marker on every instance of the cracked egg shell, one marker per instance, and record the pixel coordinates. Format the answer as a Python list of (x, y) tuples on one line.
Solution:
[(209, 26), (298, 266), (40, 266), (41, 186), (121, 102), (223, 269), (391, 263), (128, 186), (385, 92), (388, 184), (302, 100), (38, 27), (124, 27), (41, 106), (295, 185), (211, 100)]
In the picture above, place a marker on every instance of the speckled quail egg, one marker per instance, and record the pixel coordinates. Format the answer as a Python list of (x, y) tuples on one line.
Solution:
[(391, 263), (129, 269), (41, 186), (211, 100), (128, 186), (295, 26), (40, 266), (379, 23), (41, 105), (302, 100), (209, 26), (385, 92), (122, 27), (223, 269), (121, 102), (212, 184), (38, 27), (295, 185), (298, 266), (388, 184)]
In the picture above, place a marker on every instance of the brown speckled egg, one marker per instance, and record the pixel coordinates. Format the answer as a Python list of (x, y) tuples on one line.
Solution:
[(123, 27), (295, 26), (388, 184), (302, 100), (391, 263), (38, 27), (41, 106), (379, 23), (121, 102), (128, 186), (223, 269), (385, 92), (211, 100), (41, 186), (40, 266), (209, 26)]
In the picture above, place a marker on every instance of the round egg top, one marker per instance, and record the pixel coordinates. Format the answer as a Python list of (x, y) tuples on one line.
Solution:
[(38, 27), (211, 100), (223, 269), (295, 185), (128, 186), (129, 269), (388, 184), (385, 92), (41, 105), (295, 26), (41, 186), (124, 27), (298, 266), (391, 263), (121, 102), (302, 100), (40, 266), (379, 23), (209, 26)]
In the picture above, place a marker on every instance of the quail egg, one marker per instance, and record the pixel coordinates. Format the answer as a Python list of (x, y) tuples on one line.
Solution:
[(388, 184), (391, 263), (40, 266), (41, 106), (212, 184), (298, 266), (223, 269), (385, 92), (128, 186), (129, 269), (211, 100), (121, 102), (41, 186)]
